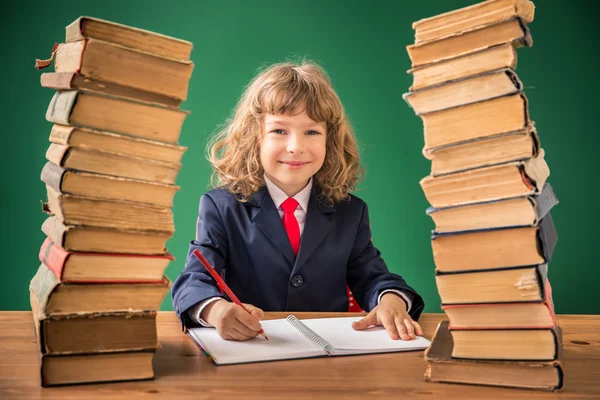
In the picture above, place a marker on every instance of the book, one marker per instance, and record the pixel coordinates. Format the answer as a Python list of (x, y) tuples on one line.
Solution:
[(291, 338), (475, 121), (521, 314), (116, 114), (96, 367), (105, 240), (106, 62), (115, 143), (103, 162), (495, 248), (509, 31), (95, 332), (538, 375), (506, 344), (519, 211), (128, 36), (471, 17), (478, 62), (505, 285), (87, 267), (513, 146), (70, 181), (57, 298), (471, 89), (81, 210), (504, 181)]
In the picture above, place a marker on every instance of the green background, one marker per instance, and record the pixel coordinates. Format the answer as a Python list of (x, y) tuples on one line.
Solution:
[(362, 46)]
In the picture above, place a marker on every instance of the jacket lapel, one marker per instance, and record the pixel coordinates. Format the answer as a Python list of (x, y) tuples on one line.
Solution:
[(319, 222), (266, 218)]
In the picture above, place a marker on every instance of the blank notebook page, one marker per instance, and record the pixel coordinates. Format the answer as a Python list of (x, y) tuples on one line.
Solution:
[(342, 337), (284, 342)]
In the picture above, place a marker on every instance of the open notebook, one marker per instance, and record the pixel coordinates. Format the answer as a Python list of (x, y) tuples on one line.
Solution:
[(291, 338)]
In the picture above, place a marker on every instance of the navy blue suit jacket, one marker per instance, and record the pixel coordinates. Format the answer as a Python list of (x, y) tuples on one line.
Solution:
[(247, 244)]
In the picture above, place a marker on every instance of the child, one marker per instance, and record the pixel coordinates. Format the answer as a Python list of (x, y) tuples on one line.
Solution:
[(281, 226)]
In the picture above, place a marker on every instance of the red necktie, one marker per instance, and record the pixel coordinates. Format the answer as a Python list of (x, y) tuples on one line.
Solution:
[(290, 223)]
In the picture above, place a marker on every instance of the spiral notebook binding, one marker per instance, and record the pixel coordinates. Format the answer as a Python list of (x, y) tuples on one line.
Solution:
[(309, 334)]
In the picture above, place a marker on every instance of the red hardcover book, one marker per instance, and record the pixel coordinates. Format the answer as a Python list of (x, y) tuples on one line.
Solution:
[(87, 267)]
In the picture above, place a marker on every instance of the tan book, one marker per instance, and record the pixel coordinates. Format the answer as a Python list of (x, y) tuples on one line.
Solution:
[(98, 367), (471, 17), (103, 162), (510, 31), (115, 143), (520, 211), (538, 375), (70, 181), (476, 121), (513, 146), (135, 38), (116, 114), (497, 182), (95, 332), (56, 298), (106, 62), (105, 240), (468, 90), (478, 62), (81, 210), (495, 248)]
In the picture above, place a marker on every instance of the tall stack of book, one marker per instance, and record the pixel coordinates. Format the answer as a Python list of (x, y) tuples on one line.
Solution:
[(110, 179), (490, 199)]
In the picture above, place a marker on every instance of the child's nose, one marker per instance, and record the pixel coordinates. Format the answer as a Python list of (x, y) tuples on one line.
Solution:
[(295, 143)]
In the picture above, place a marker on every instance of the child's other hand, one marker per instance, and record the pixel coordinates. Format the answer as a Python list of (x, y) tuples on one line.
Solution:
[(391, 313), (232, 321)]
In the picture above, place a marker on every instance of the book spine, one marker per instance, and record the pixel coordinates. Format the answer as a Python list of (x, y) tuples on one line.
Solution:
[(55, 230), (52, 175), (42, 285), (547, 237), (549, 301), (54, 257), (57, 80), (537, 171), (61, 106), (545, 201)]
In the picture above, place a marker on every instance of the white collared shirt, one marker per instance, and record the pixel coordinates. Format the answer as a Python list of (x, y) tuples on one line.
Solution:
[(278, 196)]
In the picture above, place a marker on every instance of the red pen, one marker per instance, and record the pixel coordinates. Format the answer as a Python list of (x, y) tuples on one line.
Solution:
[(221, 283)]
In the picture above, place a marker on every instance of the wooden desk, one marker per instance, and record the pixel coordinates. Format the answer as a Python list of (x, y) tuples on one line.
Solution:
[(181, 371)]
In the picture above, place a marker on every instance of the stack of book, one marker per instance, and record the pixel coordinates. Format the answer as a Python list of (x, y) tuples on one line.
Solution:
[(494, 235), (110, 179)]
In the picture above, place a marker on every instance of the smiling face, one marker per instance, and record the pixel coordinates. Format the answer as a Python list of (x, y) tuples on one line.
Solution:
[(292, 150)]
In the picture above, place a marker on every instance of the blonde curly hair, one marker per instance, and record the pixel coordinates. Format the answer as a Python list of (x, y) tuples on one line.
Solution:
[(285, 88)]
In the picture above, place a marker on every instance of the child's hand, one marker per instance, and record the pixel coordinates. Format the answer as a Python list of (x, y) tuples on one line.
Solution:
[(232, 321), (391, 313)]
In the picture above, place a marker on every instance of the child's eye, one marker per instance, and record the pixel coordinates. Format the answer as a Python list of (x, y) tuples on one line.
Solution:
[(278, 131), (313, 132)]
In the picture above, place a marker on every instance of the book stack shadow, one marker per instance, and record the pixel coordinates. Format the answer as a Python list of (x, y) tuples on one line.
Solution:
[(112, 163), (490, 200)]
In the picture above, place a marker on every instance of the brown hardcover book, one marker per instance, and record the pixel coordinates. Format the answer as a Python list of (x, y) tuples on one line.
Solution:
[(491, 59), (69, 181), (80, 210), (495, 248), (94, 333), (88, 267), (468, 90), (56, 298), (106, 62), (116, 114), (520, 211), (513, 146), (96, 367), (510, 31), (105, 240), (115, 143), (471, 17), (476, 121), (135, 38), (517, 374), (507, 285), (102, 162), (504, 181)]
